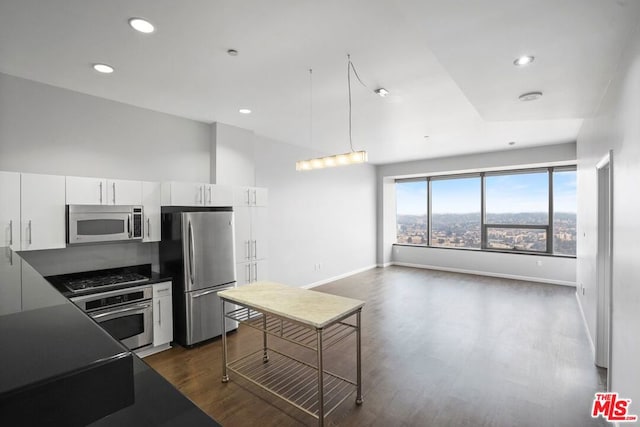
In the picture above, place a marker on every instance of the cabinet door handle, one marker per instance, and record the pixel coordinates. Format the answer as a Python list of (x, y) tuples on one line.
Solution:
[(148, 227), (159, 314), (247, 274), (30, 231), (248, 197), (255, 273), (201, 195), (255, 197), (255, 249), (210, 198), (100, 189), (114, 193), (10, 232), (248, 249)]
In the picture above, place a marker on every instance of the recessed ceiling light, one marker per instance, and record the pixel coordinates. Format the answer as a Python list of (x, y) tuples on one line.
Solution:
[(382, 92), (523, 60), (512, 143), (103, 68), (232, 52), (244, 111), (141, 25), (530, 96)]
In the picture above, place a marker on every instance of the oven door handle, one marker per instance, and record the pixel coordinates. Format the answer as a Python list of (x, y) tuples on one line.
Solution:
[(137, 307)]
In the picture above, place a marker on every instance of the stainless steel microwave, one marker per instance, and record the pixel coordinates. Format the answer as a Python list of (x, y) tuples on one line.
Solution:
[(100, 223)]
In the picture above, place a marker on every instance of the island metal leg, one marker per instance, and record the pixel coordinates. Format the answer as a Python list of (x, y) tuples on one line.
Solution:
[(320, 380), (358, 360), (225, 377), (265, 356)]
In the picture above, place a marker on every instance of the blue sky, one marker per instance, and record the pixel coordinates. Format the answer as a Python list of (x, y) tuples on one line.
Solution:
[(505, 194)]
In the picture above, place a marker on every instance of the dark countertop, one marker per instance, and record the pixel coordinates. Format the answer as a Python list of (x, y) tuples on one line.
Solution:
[(50, 344)]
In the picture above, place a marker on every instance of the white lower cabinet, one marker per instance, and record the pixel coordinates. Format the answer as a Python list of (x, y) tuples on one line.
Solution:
[(162, 314)]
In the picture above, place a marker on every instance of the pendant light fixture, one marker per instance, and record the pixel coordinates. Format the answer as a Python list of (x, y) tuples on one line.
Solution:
[(350, 158)]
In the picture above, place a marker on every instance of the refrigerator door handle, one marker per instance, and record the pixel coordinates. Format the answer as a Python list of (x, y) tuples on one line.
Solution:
[(191, 251), (207, 292)]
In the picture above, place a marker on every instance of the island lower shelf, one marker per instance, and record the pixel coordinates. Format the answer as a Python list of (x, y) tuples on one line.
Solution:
[(305, 384), (293, 381)]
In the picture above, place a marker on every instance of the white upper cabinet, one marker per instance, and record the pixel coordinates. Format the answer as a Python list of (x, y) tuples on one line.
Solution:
[(86, 191), (102, 191), (124, 192), (219, 195), (151, 205), (42, 211), (196, 194), (10, 209), (250, 196)]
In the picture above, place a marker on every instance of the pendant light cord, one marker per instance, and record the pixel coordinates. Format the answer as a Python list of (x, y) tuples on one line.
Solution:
[(311, 108), (350, 67)]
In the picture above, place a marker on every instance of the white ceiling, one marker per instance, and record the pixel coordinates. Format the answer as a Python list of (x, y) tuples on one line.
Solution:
[(447, 63)]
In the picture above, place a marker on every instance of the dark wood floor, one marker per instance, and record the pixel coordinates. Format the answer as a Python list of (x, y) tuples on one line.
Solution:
[(439, 349)]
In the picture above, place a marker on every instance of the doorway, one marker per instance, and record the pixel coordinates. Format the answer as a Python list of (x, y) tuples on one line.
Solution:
[(604, 271)]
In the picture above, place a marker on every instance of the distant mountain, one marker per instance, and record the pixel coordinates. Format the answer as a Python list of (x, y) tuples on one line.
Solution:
[(474, 217)]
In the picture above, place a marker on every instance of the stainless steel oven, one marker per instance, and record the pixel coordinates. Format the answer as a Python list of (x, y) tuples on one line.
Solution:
[(100, 223), (127, 314)]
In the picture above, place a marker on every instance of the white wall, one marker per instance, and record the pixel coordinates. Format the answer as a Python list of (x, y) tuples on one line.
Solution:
[(536, 268), (552, 270), (616, 125), (322, 217), (232, 155), (44, 129)]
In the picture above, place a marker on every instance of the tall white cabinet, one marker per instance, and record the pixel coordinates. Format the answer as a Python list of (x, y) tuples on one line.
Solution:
[(251, 216), (42, 211)]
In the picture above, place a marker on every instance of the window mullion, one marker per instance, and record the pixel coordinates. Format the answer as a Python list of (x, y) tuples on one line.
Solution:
[(429, 211), (550, 214)]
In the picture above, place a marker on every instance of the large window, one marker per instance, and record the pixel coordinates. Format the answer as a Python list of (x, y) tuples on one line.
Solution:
[(564, 211), (532, 211), (455, 212), (517, 211), (411, 211)]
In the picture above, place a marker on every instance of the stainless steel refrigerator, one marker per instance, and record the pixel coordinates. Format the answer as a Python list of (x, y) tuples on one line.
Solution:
[(197, 251)]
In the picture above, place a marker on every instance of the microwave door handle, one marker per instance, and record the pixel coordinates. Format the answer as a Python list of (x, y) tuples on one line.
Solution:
[(129, 225), (137, 307), (191, 251)]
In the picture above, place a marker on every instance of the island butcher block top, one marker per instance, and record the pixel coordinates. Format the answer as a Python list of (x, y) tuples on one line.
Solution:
[(308, 307)]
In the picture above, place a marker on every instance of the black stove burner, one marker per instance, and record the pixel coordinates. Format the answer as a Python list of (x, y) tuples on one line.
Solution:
[(77, 285)]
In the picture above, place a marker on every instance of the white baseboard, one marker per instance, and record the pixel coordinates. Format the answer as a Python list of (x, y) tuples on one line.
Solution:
[(586, 327), (153, 350), (341, 276), (489, 274), (386, 264)]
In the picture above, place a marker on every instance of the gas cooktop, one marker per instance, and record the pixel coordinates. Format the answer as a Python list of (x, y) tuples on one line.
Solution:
[(90, 282), (82, 284)]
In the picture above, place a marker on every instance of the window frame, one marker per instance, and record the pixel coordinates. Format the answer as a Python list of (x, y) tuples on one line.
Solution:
[(547, 227), (484, 225)]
